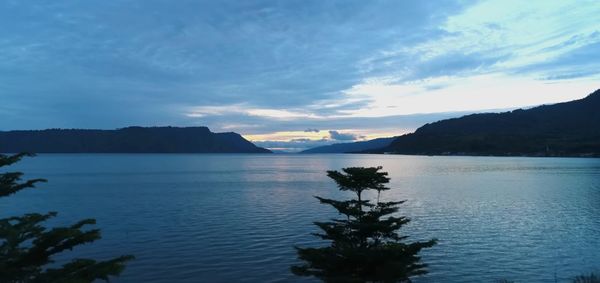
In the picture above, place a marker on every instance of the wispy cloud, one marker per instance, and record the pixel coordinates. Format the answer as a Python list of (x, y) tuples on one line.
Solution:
[(240, 109)]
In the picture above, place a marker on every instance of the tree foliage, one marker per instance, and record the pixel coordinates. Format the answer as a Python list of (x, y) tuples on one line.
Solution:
[(364, 246), (592, 278), (27, 247)]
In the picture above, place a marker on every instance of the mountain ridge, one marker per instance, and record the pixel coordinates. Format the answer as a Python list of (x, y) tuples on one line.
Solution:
[(350, 147), (563, 129), (132, 139)]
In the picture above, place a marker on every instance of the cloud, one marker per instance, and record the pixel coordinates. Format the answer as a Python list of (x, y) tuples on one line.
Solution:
[(273, 59), (581, 62), (311, 131), (464, 94), (241, 109), (259, 68), (335, 135)]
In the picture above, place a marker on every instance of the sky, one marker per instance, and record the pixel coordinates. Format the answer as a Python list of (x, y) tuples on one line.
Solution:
[(289, 75)]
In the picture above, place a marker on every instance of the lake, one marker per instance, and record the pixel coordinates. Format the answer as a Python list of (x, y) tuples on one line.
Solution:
[(236, 218)]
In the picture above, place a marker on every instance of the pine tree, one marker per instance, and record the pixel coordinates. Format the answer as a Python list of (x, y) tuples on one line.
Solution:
[(27, 248), (365, 245)]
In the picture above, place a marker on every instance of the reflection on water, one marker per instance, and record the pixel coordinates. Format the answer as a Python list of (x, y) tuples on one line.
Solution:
[(234, 218)]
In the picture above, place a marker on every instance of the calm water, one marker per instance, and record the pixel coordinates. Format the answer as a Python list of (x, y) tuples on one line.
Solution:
[(236, 218)]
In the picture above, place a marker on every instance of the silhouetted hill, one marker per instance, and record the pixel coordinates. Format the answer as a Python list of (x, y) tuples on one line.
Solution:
[(127, 140), (352, 146), (563, 129)]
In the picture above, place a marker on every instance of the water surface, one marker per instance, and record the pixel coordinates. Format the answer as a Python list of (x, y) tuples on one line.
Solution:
[(236, 218)]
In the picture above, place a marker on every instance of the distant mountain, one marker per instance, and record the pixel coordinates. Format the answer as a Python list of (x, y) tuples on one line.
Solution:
[(126, 140), (563, 129), (352, 146)]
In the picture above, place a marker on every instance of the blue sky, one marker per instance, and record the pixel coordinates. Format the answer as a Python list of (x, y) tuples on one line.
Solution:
[(289, 74)]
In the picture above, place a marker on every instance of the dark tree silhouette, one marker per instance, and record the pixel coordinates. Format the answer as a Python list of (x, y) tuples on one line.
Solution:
[(26, 247), (365, 246), (592, 278)]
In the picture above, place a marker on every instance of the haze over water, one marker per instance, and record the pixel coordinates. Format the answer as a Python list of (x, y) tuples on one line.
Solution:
[(225, 218)]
